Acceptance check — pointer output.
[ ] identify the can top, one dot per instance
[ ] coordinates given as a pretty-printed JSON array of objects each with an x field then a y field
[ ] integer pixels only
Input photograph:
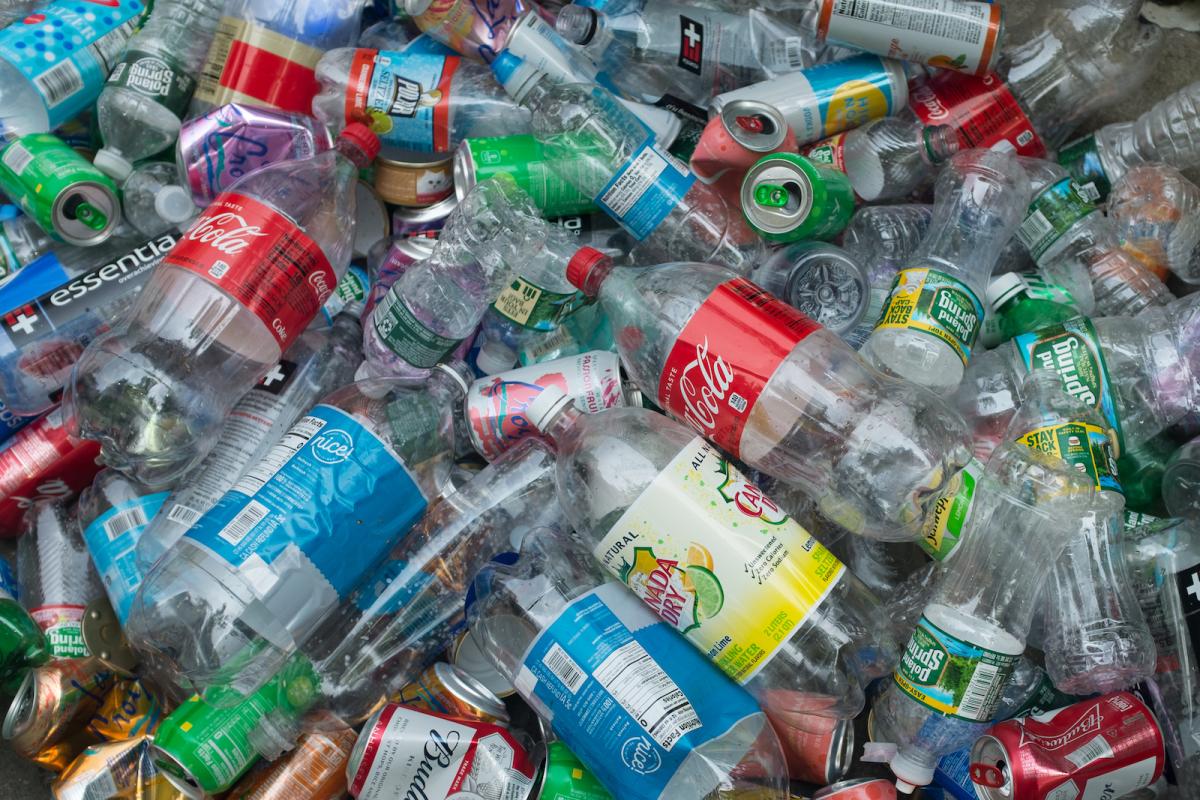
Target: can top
[
  {"x": 85, "y": 214},
  {"x": 469, "y": 657},
  {"x": 990, "y": 769},
  {"x": 841, "y": 751},
  {"x": 755, "y": 125},
  {"x": 777, "y": 193},
  {"x": 398, "y": 157},
  {"x": 177, "y": 775},
  {"x": 472, "y": 692},
  {"x": 24, "y": 707}
]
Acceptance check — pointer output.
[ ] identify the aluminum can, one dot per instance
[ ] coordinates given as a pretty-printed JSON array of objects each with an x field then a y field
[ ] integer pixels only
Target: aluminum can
[
  {"x": 42, "y": 461},
  {"x": 421, "y": 183},
  {"x": 858, "y": 789},
  {"x": 119, "y": 769},
  {"x": 786, "y": 198},
  {"x": 522, "y": 158},
  {"x": 564, "y": 777},
  {"x": 446, "y": 689},
  {"x": 742, "y": 133},
  {"x": 314, "y": 770},
  {"x": 47, "y": 721}
]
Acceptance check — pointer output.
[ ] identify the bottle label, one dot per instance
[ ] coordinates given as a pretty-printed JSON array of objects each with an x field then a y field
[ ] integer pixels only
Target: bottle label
[
  {"x": 160, "y": 79},
  {"x": 953, "y": 677},
  {"x": 598, "y": 672},
  {"x": 944, "y": 527},
  {"x": 1082, "y": 160},
  {"x": 948, "y": 34},
  {"x": 1037, "y": 289},
  {"x": 63, "y": 626},
  {"x": 252, "y": 64},
  {"x": 724, "y": 357},
  {"x": 553, "y": 190},
  {"x": 1072, "y": 349},
  {"x": 1084, "y": 446},
  {"x": 1051, "y": 214},
  {"x": 982, "y": 110},
  {"x": 645, "y": 189},
  {"x": 329, "y": 500},
  {"x": 935, "y": 303},
  {"x": 831, "y": 151},
  {"x": 349, "y": 295},
  {"x": 714, "y": 46},
  {"x": 535, "y": 308},
  {"x": 715, "y": 557},
  {"x": 406, "y": 336},
  {"x": 111, "y": 539},
  {"x": 404, "y": 97},
  {"x": 260, "y": 257},
  {"x": 66, "y": 50}
]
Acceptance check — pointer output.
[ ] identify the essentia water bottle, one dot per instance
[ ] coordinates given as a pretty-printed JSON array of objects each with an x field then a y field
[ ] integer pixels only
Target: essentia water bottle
[
  {"x": 774, "y": 389},
  {"x": 653, "y": 195},
  {"x": 412, "y": 100},
  {"x": 669, "y": 516},
  {"x": 140, "y": 107},
  {"x": 931, "y": 319},
  {"x": 227, "y": 301},
  {"x": 247, "y": 585}
]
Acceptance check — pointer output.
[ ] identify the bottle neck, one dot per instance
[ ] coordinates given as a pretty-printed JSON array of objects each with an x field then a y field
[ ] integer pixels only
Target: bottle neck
[{"x": 563, "y": 425}]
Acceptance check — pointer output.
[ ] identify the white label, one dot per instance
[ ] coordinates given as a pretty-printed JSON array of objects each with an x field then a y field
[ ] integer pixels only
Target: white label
[
  {"x": 637, "y": 178},
  {"x": 254, "y": 513},
  {"x": 953, "y": 34},
  {"x": 119, "y": 524},
  {"x": 17, "y": 158},
  {"x": 288, "y": 446},
  {"x": 401, "y": 768},
  {"x": 564, "y": 667},
  {"x": 1095, "y": 749},
  {"x": 184, "y": 515},
  {"x": 1120, "y": 782},
  {"x": 647, "y": 693},
  {"x": 59, "y": 83}
]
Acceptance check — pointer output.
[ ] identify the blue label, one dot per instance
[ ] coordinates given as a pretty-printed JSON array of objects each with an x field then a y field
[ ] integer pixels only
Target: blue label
[
  {"x": 408, "y": 99},
  {"x": 330, "y": 489},
  {"x": 848, "y": 93},
  {"x": 601, "y": 670},
  {"x": 953, "y": 775},
  {"x": 10, "y": 423},
  {"x": 66, "y": 50},
  {"x": 645, "y": 189},
  {"x": 8, "y": 581},
  {"x": 111, "y": 539}
]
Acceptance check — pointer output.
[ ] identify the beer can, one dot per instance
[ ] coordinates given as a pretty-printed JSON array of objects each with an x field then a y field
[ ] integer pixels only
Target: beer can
[
  {"x": 786, "y": 198},
  {"x": 466, "y": 654},
  {"x": 741, "y": 134},
  {"x": 1106, "y": 747},
  {"x": 314, "y": 770},
  {"x": 858, "y": 789},
  {"x": 47, "y": 721},
  {"x": 405, "y": 182},
  {"x": 406, "y": 752},
  {"x": 521, "y": 157},
  {"x": 446, "y": 689},
  {"x": 64, "y": 192}
]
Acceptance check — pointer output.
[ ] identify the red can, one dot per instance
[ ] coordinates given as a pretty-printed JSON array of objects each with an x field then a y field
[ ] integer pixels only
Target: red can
[
  {"x": 42, "y": 460},
  {"x": 1098, "y": 749}
]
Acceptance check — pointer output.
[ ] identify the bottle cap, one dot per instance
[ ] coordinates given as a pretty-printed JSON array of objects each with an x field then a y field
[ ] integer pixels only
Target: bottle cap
[
  {"x": 112, "y": 164},
  {"x": 546, "y": 406},
  {"x": 576, "y": 23},
  {"x": 363, "y": 138},
  {"x": 581, "y": 266},
  {"x": 515, "y": 75},
  {"x": 910, "y": 773},
  {"x": 495, "y": 357},
  {"x": 1004, "y": 288},
  {"x": 174, "y": 204}
]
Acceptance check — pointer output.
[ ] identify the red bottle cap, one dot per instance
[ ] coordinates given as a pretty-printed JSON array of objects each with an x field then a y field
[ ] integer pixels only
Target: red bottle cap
[
  {"x": 363, "y": 138},
  {"x": 582, "y": 264}
]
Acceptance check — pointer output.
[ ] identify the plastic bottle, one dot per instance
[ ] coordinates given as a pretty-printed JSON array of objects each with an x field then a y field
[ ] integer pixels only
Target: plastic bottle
[
  {"x": 414, "y": 101},
  {"x": 980, "y": 197},
  {"x": 887, "y": 235},
  {"x": 22, "y": 241},
  {"x": 1155, "y": 211},
  {"x": 147, "y": 93},
  {"x": 22, "y": 643},
  {"x": 712, "y": 741},
  {"x": 153, "y": 201},
  {"x": 438, "y": 303},
  {"x": 890, "y": 158},
  {"x": 1026, "y": 303},
  {"x": 321, "y": 360},
  {"x": 822, "y": 280},
  {"x": 478, "y": 32},
  {"x": 206, "y": 329},
  {"x": 13, "y": 10},
  {"x": 666, "y": 210},
  {"x": 1181, "y": 481},
  {"x": 228, "y": 606},
  {"x": 663, "y": 511},
  {"x": 981, "y": 608}
]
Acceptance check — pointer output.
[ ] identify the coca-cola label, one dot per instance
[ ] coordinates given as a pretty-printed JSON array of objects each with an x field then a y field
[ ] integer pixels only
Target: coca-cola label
[
  {"x": 261, "y": 258},
  {"x": 724, "y": 357},
  {"x": 982, "y": 110}
]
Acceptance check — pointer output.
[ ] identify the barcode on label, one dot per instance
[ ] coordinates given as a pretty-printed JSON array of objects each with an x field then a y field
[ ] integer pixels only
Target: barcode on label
[
  {"x": 1094, "y": 750},
  {"x": 218, "y": 53},
  {"x": 58, "y": 83},
  {"x": 287, "y": 447},
  {"x": 794, "y": 52},
  {"x": 118, "y": 524},
  {"x": 1035, "y": 228},
  {"x": 244, "y": 522},
  {"x": 635, "y": 181},
  {"x": 979, "y": 691},
  {"x": 183, "y": 515},
  {"x": 17, "y": 158},
  {"x": 564, "y": 668}
]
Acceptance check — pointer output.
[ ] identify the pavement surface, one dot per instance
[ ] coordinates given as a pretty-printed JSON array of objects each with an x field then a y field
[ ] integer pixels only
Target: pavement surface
[{"x": 1178, "y": 65}]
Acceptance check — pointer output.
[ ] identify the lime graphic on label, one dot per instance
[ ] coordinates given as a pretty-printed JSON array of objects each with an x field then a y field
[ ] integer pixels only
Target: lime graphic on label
[{"x": 710, "y": 597}]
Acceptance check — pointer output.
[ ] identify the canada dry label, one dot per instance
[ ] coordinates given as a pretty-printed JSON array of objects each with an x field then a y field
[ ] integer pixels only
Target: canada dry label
[
  {"x": 407, "y": 336},
  {"x": 982, "y": 110},
  {"x": 935, "y": 303},
  {"x": 159, "y": 78},
  {"x": 945, "y": 525},
  {"x": 953, "y": 677},
  {"x": 1052, "y": 213},
  {"x": 1084, "y": 446},
  {"x": 719, "y": 560},
  {"x": 724, "y": 357},
  {"x": 262, "y": 259},
  {"x": 531, "y": 306}
]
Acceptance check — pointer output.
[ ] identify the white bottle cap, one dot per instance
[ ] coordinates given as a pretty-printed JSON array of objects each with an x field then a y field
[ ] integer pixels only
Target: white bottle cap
[
  {"x": 910, "y": 773},
  {"x": 495, "y": 357},
  {"x": 174, "y": 204},
  {"x": 112, "y": 164},
  {"x": 546, "y": 406},
  {"x": 1002, "y": 288}
]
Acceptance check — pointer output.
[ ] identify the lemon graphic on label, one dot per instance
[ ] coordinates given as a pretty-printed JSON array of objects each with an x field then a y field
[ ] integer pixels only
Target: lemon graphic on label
[
  {"x": 710, "y": 597},
  {"x": 946, "y": 62},
  {"x": 380, "y": 122},
  {"x": 852, "y": 104},
  {"x": 697, "y": 555}
]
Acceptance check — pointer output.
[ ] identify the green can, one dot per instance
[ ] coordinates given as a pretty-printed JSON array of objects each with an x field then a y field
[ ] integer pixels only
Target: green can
[
  {"x": 564, "y": 777},
  {"x": 206, "y": 744},
  {"x": 788, "y": 198},
  {"x": 22, "y": 643},
  {"x": 61, "y": 190},
  {"x": 522, "y": 158}
]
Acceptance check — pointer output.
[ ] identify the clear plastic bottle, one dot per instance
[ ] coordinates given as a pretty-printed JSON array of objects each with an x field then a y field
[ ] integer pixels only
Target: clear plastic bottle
[
  {"x": 714, "y": 742},
  {"x": 980, "y": 197},
  {"x": 891, "y": 157},
  {"x": 402, "y": 92},
  {"x": 321, "y": 360},
  {"x": 438, "y": 303},
  {"x": 13, "y": 10},
  {"x": 153, "y": 201},
  {"x": 227, "y": 607},
  {"x": 664, "y": 512},
  {"x": 22, "y": 241},
  {"x": 981, "y": 609},
  {"x": 1155, "y": 211},
  {"x": 204, "y": 330},
  {"x": 1181, "y": 481},
  {"x": 786, "y": 397},
  {"x": 148, "y": 91},
  {"x": 822, "y": 280},
  {"x": 671, "y": 214}
]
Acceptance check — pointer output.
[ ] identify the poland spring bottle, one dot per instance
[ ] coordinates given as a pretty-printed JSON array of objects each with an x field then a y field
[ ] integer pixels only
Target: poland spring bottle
[{"x": 243, "y": 282}]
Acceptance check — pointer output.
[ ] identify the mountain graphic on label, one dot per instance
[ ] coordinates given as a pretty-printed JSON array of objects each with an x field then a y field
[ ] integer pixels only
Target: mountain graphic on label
[{"x": 682, "y": 594}]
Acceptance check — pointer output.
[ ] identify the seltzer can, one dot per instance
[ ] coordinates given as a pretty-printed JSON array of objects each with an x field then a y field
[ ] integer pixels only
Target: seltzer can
[{"x": 786, "y": 198}]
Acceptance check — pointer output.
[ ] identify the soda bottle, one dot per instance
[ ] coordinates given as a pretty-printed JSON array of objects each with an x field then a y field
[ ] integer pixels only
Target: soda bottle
[
  {"x": 891, "y": 157},
  {"x": 251, "y": 580},
  {"x": 206, "y": 329},
  {"x": 980, "y": 196},
  {"x": 1025, "y": 303},
  {"x": 1155, "y": 211},
  {"x": 153, "y": 201},
  {"x": 668, "y": 212},
  {"x": 148, "y": 91},
  {"x": 554, "y": 617}
]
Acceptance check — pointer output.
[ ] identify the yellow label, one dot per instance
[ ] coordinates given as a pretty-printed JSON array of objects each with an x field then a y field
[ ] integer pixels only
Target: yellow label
[
  {"x": 935, "y": 303},
  {"x": 518, "y": 300},
  {"x": 854, "y": 103},
  {"x": 719, "y": 560}
]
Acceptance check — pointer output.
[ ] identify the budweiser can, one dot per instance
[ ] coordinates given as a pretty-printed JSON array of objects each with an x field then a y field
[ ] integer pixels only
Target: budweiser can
[
  {"x": 42, "y": 461},
  {"x": 406, "y": 752},
  {"x": 446, "y": 689},
  {"x": 1098, "y": 749}
]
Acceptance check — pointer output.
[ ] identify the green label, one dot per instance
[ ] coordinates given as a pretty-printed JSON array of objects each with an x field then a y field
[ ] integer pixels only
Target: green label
[
  {"x": 935, "y": 303},
  {"x": 533, "y": 307},
  {"x": 552, "y": 190},
  {"x": 945, "y": 524},
  {"x": 1142, "y": 525},
  {"x": 36, "y": 169},
  {"x": 1082, "y": 160},
  {"x": 1043, "y": 698},
  {"x": 160, "y": 79},
  {"x": 407, "y": 336},
  {"x": 1038, "y": 289},
  {"x": 1051, "y": 214},
  {"x": 567, "y": 778},
  {"x": 63, "y": 626},
  {"x": 1084, "y": 446},
  {"x": 953, "y": 677}
]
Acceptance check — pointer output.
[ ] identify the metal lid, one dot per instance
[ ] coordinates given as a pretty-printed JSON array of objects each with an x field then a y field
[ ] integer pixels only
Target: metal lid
[
  {"x": 103, "y": 637},
  {"x": 755, "y": 125},
  {"x": 176, "y": 773},
  {"x": 469, "y": 657},
  {"x": 399, "y": 157},
  {"x": 24, "y": 707},
  {"x": 777, "y": 194},
  {"x": 827, "y": 284},
  {"x": 989, "y": 761},
  {"x": 463, "y": 686},
  {"x": 841, "y": 751},
  {"x": 68, "y": 219},
  {"x": 416, "y": 215}
]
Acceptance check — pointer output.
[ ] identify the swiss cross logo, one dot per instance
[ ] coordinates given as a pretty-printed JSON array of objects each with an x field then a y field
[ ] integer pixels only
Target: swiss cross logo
[
  {"x": 277, "y": 378},
  {"x": 21, "y": 321},
  {"x": 691, "y": 44}
]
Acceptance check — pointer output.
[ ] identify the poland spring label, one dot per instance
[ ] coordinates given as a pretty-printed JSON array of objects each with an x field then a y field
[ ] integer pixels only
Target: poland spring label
[
  {"x": 937, "y": 304},
  {"x": 944, "y": 526},
  {"x": 1052, "y": 213},
  {"x": 1084, "y": 446},
  {"x": 163, "y": 80}
]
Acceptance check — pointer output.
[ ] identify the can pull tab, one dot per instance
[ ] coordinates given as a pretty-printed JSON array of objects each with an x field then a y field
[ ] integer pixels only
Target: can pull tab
[
  {"x": 771, "y": 195},
  {"x": 752, "y": 123},
  {"x": 91, "y": 216},
  {"x": 987, "y": 775}
]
